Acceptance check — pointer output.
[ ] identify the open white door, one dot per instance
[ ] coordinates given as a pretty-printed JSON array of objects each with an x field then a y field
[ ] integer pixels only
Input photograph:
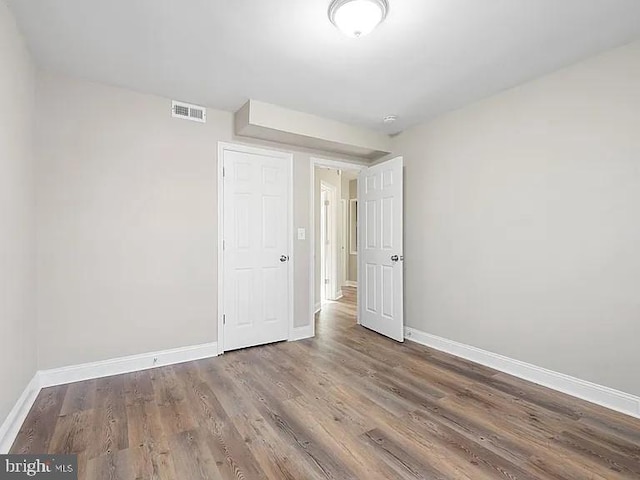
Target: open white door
[
  {"x": 380, "y": 248},
  {"x": 256, "y": 248}
]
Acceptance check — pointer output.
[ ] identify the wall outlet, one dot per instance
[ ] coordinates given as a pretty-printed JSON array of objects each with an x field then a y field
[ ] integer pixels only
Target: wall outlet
[{"x": 302, "y": 234}]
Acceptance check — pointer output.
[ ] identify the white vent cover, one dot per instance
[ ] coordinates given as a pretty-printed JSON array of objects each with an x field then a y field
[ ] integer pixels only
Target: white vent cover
[{"x": 188, "y": 111}]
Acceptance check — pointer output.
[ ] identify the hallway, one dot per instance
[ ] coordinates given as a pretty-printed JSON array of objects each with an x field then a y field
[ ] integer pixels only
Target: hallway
[{"x": 336, "y": 318}]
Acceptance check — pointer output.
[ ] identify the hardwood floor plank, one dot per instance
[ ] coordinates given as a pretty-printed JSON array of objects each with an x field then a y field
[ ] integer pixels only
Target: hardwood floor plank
[
  {"x": 73, "y": 432},
  {"x": 138, "y": 387},
  {"x": 170, "y": 398},
  {"x": 318, "y": 455},
  {"x": 307, "y": 374},
  {"x": 80, "y": 396},
  {"x": 111, "y": 466},
  {"x": 276, "y": 459},
  {"x": 233, "y": 458},
  {"x": 39, "y": 426},
  {"x": 192, "y": 457},
  {"x": 616, "y": 461},
  {"x": 147, "y": 463},
  {"x": 110, "y": 427},
  {"x": 472, "y": 450},
  {"x": 394, "y": 455},
  {"x": 148, "y": 442},
  {"x": 517, "y": 419}
]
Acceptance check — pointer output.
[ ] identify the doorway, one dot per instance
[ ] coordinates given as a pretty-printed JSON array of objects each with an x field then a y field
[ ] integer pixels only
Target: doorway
[
  {"x": 373, "y": 269},
  {"x": 334, "y": 233}
]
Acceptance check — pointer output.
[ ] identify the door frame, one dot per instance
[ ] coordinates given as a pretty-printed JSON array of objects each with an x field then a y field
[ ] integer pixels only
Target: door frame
[
  {"x": 338, "y": 165},
  {"x": 330, "y": 257},
  {"x": 344, "y": 240},
  {"x": 237, "y": 147}
]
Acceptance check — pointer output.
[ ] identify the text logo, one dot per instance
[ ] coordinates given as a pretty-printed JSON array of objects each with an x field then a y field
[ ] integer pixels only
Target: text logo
[{"x": 50, "y": 467}]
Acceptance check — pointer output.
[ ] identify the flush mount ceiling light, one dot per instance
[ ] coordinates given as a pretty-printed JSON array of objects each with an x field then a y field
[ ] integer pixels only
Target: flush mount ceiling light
[{"x": 356, "y": 18}]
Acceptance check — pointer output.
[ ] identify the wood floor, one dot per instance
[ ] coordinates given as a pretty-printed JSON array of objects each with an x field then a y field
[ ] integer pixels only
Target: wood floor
[{"x": 348, "y": 404}]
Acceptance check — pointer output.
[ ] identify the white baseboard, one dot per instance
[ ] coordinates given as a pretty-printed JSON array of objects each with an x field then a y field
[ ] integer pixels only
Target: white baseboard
[
  {"x": 318, "y": 307},
  {"x": 11, "y": 426},
  {"x": 591, "y": 392},
  {"x": 132, "y": 363},
  {"x": 351, "y": 283},
  {"x": 86, "y": 371},
  {"x": 339, "y": 295},
  {"x": 300, "y": 333}
]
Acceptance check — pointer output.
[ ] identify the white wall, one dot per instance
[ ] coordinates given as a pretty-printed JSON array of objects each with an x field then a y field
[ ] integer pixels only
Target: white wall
[
  {"x": 523, "y": 222},
  {"x": 17, "y": 206},
  {"x": 128, "y": 229}
]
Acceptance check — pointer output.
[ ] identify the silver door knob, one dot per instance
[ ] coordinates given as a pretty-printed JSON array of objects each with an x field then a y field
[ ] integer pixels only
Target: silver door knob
[
  {"x": 284, "y": 258},
  {"x": 395, "y": 258}
]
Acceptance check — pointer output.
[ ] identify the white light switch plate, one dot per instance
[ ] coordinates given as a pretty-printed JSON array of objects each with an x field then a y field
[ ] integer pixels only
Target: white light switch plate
[{"x": 302, "y": 234}]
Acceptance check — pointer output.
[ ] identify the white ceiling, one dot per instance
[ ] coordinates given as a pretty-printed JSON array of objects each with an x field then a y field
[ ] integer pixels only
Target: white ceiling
[{"x": 428, "y": 57}]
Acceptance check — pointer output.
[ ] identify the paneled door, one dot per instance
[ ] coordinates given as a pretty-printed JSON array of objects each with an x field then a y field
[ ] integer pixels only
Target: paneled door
[
  {"x": 380, "y": 239},
  {"x": 256, "y": 247}
]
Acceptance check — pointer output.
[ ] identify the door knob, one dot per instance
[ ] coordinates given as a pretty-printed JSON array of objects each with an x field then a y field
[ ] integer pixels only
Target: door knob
[
  {"x": 395, "y": 258},
  {"x": 284, "y": 258}
]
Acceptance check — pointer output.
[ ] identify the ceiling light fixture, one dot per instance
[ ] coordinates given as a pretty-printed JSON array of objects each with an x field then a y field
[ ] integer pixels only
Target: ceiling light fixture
[{"x": 356, "y": 18}]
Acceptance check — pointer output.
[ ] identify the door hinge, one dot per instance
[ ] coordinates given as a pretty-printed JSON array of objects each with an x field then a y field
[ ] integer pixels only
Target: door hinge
[
  {"x": 224, "y": 244},
  {"x": 326, "y": 202},
  {"x": 326, "y": 281},
  {"x": 224, "y": 319},
  {"x": 224, "y": 172}
]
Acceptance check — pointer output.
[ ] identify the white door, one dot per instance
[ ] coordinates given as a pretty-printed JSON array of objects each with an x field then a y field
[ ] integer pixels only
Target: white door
[
  {"x": 380, "y": 248},
  {"x": 255, "y": 248}
]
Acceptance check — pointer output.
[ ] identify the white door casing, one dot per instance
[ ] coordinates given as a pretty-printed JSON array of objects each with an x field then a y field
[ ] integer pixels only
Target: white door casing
[
  {"x": 256, "y": 252},
  {"x": 344, "y": 221},
  {"x": 329, "y": 232},
  {"x": 380, "y": 249},
  {"x": 325, "y": 250}
]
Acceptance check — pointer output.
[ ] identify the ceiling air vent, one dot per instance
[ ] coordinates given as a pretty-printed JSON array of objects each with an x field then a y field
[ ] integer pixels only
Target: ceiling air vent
[{"x": 188, "y": 111}]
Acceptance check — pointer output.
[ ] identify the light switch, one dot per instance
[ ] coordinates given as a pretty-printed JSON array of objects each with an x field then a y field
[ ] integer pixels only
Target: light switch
[{"x": 302, "y": 234}]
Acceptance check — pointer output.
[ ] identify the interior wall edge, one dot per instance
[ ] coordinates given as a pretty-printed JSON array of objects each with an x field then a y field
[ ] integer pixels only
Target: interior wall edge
[{"x": 18, "y": 351}]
